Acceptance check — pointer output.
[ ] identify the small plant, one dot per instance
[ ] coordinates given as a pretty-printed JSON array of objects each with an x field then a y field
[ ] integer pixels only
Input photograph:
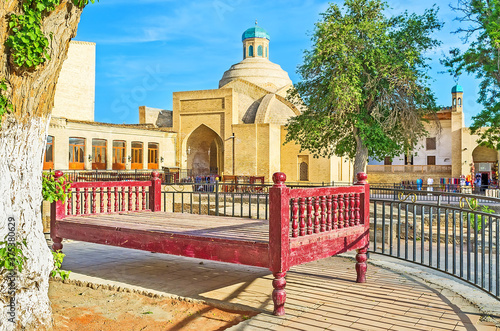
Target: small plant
[
  {"x": 476, "y": 221},
  {"x": 11, "y": 255},
  {"x": 5, "y": 105},
  {"x": 55, "y": 189},
  {"x": 58, "y": 260}
]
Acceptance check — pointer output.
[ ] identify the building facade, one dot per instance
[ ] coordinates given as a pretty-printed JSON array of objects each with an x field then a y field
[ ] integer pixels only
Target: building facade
[
  {"x": 237, "y": 129},
  {"x": 77, "y": 142},
  {"x": 449, "y": 152}
]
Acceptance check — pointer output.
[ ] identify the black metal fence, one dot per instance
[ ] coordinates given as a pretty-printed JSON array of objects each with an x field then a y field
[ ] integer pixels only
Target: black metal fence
[
  {"x": 454, "y": 233},
  {"x": 219, "y": 199}
]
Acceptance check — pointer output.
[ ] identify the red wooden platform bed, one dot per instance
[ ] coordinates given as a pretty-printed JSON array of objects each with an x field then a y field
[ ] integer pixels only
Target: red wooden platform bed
[{"x": 304, "y": 225}]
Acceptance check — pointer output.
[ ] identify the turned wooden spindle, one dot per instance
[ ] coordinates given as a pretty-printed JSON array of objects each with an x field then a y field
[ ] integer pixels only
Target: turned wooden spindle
[
  {"x": 347, "y": 210},
  {"x": 357, "y": 214},
  {"x": 279, "y": 293},
  {"x": 130, "y": 197},
  {"x": 108, "y": 191},
  {"x": 316, "y": 215},
  {"x": 309, "y": 216},
  {"x": 124, "y": 203},
  {"x": 295, "y": 217},
  {"x": 137, "y": 198},
  {"x": 329, "y": 213},
  {"x": 101, "y": 198},
  {"x": 323, "y": 214},
  {"x": 341, "y": 211},
  {"x": 69, "y": 206},
  {"x": 353, "y": 212},
  {"x": 94, "y": 195},
  {"x": 143, "y": 198},
  {"x": 85, "y": 201},
  {"x": 302, "y": 217},
  {"x": 78, "y": 206},
  {"x": 116, "y": 199}
]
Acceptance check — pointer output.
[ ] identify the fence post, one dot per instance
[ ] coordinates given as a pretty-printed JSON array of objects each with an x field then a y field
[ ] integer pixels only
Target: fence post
[
  {"x": 217, "y": 197},
  {"x": 155, "y": 192},
  {"x": 279, "y": 241}
]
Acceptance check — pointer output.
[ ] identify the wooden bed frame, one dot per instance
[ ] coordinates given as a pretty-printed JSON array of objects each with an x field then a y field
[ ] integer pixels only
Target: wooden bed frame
[{"x": 304, "y": 225}]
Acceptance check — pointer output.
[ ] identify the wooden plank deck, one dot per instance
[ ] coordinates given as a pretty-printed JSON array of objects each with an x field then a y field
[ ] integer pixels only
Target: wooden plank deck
[
  {"x": 232, "y": 228},
  {"x": 226, "y": 239}
]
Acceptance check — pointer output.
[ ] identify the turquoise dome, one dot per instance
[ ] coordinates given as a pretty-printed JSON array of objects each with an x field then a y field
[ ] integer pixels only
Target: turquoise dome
[
  {"x": 255, "y": 32},
  {"x": 457, "y": 89}
]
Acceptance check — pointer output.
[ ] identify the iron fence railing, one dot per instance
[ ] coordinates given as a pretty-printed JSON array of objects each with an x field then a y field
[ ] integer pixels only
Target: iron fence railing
[
  {"x": 251, "y": 201},
  {"x": 455, "y": 233}
]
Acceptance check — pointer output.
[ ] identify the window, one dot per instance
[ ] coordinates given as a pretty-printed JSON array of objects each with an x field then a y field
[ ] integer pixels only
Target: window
[
  {"x": 77, "y": 153},
  {"x": 459, "y": 101},
  {"x": 454, "y": 101},
  {"x": 304, "y": 171},
  {"x": 118, "y": 155},
  {"x": 250, "y": 50},
  {"x": 431, "y": 160},
  {"x": 266, "y": 52},
  {"x": 48, "y": 160},
  {"x": 303, "y": 163},
  {"x": 408, "y": 161},
  {"x": 259, "y": 50},
  {"x": 136, "y": 155},
  {"x": 99, "y": 150},
  {"x": 152, "y": 156},
  {"x": 387, "y": 160},
  {"x": 430, "y": 144}
]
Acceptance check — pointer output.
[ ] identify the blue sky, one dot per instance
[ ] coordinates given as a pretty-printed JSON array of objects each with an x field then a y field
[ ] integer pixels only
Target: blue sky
[{"x": 147, "y": 49}]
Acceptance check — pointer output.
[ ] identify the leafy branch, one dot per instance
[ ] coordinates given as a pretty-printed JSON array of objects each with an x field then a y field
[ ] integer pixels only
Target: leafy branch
[
  {"x": 28, "y": 43},
  {"x": 11, "y": 255},
  {"x": 55, "y": 189},
  {"x": 5, "y": 105},
  {"x": 58, "y": 260}
]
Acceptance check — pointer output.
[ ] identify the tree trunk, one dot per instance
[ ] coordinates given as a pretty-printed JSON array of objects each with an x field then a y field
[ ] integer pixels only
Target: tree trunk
[
  {"x": 22, "y": 143},
  {"x": 361, "y": 157},
  {"x": 21, "y": 153}
]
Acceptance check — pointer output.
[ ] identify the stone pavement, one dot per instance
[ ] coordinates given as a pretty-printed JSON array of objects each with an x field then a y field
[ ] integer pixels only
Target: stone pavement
[{"x": 321, "y": 295}]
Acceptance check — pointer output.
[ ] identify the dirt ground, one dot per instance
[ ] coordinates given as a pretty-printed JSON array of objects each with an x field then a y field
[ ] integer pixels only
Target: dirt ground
[{"x": 84, "y": 308}]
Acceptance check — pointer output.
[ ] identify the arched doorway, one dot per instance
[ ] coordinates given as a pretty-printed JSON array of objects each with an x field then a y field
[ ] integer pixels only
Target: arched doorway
[
  {"x": 485, "y": 166},
  {"x": 203, "y": 152}
]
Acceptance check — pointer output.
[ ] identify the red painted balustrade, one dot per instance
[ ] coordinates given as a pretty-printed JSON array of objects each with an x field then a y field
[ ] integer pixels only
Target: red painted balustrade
[
  {"x": 307, "y": 224},
  {"x": 93, "y": 198}
]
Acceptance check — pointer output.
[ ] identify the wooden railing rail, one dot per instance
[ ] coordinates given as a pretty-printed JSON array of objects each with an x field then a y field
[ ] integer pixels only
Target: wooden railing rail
[{"x": 92, "y": 198}]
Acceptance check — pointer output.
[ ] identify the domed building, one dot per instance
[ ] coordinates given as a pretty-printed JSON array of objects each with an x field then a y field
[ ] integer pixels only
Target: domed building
[{"x": 238, "y": 129}]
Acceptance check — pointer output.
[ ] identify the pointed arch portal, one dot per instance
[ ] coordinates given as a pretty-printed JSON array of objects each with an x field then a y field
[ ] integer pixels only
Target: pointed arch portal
[{"x": 204, "y": 152}]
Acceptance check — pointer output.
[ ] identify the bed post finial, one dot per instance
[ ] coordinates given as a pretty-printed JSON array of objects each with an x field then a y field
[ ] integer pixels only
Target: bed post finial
[
  {"x": 155, "y": 192},
  {"x": 279, "y": 179},
  {"x": 362, "y": 178}
]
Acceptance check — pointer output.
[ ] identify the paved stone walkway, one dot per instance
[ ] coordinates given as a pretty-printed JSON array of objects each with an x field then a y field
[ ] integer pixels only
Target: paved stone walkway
[{"x": 321, "y": 295}]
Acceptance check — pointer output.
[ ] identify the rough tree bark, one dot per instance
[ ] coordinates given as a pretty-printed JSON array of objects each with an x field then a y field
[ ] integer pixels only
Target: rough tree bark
[
  {"x": 22, "y": 141},
  {"x": 361, "y": 157}
]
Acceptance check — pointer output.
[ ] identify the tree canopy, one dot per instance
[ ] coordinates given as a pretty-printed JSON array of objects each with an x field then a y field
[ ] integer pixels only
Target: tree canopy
[
  {"x": 481, "y": 58},
  {"x": 364, "y": 83}
]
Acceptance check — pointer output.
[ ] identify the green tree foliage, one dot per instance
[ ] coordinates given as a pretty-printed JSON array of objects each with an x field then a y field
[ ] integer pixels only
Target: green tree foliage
[
  {"x": 364, "y": 83},
  {"x": 482, "y": 58}
]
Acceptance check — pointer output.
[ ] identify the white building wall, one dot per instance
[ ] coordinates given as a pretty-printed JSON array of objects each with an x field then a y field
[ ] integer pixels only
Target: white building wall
[{"x": 75, "y": 92}]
